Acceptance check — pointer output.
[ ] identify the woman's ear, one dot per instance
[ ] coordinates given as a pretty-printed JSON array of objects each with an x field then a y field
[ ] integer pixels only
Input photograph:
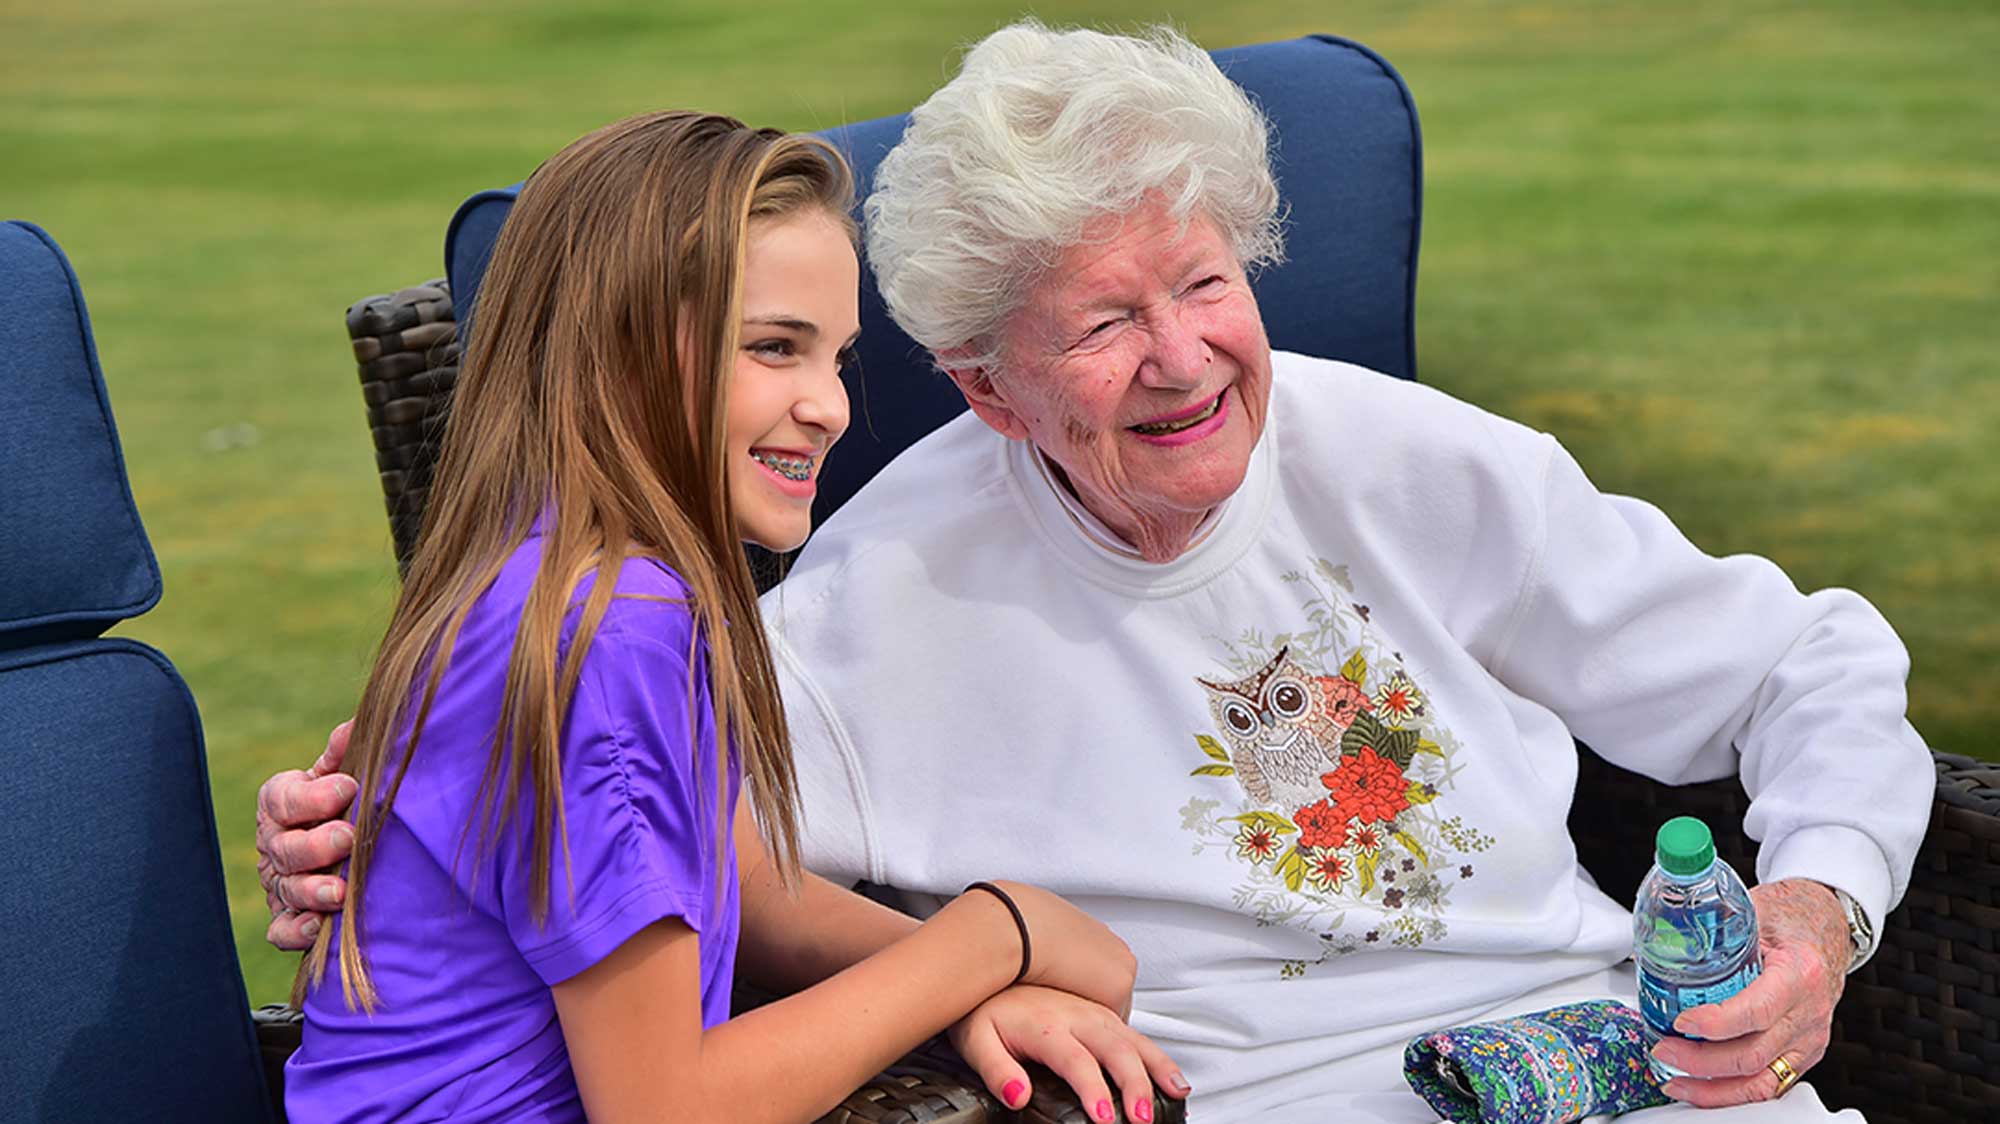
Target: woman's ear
[{"x": 987, "y": 399}]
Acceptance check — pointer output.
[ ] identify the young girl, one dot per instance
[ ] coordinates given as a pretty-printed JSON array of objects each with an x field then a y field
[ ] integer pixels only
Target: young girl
[{"x": 573, "y": 711}]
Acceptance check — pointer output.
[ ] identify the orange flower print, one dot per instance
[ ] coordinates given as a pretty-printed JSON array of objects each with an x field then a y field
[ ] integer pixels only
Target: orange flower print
[
  {"x": 1319, "y": 825},
  {"x": 1257, "y": 842},
  {"x": 1342, "y": 701},
  {"x": 1368, "y": 788}
]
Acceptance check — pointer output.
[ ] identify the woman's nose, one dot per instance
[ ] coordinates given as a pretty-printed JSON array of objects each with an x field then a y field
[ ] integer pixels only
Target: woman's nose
[{"x": 1179, "y": 357}]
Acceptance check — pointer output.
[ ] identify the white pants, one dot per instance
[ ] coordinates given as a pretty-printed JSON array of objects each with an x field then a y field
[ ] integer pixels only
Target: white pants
[{"x": 1379, "y": 1093}]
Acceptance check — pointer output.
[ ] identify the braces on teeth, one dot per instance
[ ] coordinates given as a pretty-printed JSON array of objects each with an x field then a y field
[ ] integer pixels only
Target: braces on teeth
[{"x": 791, "y": 468}]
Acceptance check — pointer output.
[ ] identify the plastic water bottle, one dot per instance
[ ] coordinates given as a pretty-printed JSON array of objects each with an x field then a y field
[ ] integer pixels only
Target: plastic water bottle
[{"x": 1694, "y": 931}]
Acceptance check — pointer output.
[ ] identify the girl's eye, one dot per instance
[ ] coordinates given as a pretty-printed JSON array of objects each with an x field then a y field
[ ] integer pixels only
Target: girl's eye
[
  {"x": 846, "y": 357},
  {"x": 778, "y": 348}
]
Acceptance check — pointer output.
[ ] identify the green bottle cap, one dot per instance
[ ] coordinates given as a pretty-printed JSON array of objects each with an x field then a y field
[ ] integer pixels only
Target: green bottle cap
[{"x": 1684, "y": 846}]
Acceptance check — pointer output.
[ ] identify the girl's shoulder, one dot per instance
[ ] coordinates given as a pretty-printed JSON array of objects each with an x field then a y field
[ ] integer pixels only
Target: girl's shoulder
[{"x": 649, "y": 597}]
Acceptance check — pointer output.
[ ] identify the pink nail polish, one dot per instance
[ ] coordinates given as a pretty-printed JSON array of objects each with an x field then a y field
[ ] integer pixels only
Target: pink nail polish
[
  {"x": 1012, "y": 1093},
  {"x": 1104, "y": 1110},
  {"x": 1144, "y": 1110}
]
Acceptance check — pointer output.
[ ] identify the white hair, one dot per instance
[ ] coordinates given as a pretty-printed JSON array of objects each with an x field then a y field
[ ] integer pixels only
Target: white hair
[{"x": 1041, "y": 132}]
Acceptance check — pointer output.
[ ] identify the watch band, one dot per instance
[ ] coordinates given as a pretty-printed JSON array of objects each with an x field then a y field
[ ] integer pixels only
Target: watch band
[{"x": 1860, "y": 931}]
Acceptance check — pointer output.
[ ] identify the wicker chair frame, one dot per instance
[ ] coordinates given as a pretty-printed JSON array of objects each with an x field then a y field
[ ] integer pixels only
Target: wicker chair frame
[{"x": 1916, "y": 1038}]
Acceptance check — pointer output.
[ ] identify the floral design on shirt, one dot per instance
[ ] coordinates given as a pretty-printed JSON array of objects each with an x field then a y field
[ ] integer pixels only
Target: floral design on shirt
[{"x": 1338, "y": 764}]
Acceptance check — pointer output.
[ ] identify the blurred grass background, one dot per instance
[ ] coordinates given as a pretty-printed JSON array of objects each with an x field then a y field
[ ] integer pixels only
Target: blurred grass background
[{"x": 1742, "y": 257}]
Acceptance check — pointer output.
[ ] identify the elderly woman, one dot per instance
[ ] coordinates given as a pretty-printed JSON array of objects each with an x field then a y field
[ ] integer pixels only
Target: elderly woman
[{"x": 1275, "y": 664}]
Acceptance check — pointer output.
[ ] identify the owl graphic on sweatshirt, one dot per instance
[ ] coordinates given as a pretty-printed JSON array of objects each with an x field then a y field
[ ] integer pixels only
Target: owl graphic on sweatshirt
[{"x": 1282, "y": 725}]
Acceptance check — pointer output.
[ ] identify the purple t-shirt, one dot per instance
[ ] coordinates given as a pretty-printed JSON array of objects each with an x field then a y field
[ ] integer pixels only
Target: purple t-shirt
[{"x": 466, "y": 1028}]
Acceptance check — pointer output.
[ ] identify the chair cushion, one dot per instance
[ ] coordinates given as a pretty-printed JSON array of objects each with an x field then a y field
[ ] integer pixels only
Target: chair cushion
[
  {"x": 73, "y": 557},
  {"x": 118, "y": 970},
  {"x": 1348, "y": 159}
]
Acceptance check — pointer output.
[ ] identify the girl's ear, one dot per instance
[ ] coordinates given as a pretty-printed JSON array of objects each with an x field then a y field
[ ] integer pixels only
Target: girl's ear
[{"x": 986, "y": 397}]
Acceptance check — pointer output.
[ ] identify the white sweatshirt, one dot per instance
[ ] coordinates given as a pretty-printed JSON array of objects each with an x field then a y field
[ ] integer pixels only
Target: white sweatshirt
[{"x": 1316, "y": 771}]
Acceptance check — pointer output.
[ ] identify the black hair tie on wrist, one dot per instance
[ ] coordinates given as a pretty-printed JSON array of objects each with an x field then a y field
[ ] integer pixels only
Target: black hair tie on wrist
[{"x": 1020, "y": 922}]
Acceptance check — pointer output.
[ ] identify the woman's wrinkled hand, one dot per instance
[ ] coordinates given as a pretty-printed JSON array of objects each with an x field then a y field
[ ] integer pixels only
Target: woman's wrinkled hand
[
  {"x": 300, "y": 838},
  {"x": 1786, "y": 1012},
  {"x": 1080, "y": 1040}
]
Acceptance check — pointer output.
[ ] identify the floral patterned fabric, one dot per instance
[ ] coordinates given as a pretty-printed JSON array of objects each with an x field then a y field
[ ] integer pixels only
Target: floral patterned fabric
[
  {"x": 1562, "y": 1064},
  {"x": 1331, "y": 776}
]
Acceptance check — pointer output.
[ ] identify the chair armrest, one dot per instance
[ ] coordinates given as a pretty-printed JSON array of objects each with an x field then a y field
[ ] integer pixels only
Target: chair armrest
[
  {"x": 929, "y": 1086},
  {"x": 1917, "y": 1036},
  {"x": 932, "y": 1085},
  {"x": 935, "y": 1073},
  {"x": 279, "y": 1028}
]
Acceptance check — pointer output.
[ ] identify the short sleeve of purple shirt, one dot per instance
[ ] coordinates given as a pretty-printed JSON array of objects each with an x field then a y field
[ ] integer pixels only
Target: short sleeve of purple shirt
[{"x": 632, "y": 800}]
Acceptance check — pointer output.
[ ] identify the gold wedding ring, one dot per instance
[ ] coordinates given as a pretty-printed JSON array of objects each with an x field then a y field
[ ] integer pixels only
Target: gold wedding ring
[{"x": 1787, "y": 1076}]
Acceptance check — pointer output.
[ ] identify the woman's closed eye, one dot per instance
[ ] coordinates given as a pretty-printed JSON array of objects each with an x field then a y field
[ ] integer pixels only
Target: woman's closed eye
[{"x": 1098, "y": 330}]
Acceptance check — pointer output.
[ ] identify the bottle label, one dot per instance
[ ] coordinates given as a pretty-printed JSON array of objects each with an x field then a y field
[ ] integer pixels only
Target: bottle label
[{"x": 1660, "y": 1003}]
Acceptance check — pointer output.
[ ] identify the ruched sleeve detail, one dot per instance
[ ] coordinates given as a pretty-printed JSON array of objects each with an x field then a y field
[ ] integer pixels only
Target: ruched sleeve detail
[{"x": 640, "y": 797}]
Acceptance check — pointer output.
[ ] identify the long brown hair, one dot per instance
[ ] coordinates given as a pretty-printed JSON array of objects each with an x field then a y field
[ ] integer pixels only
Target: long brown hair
[{"x": 594, "y": 394}]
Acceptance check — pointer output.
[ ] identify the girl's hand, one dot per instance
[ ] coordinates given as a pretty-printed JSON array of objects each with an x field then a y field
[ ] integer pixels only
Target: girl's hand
[
  {"x": 1078, "y": 1039},
  {"x": 1073, "y": 951}
]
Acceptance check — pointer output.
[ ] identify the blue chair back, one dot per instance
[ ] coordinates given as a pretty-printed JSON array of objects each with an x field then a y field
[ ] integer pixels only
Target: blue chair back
[
  {"x": 120, "y": 995},
  {"x": 1349, "y": 164}
]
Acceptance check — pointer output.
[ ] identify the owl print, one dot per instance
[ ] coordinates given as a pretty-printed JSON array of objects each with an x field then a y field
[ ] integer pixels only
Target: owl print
[{"x": 1283, "y": 725}]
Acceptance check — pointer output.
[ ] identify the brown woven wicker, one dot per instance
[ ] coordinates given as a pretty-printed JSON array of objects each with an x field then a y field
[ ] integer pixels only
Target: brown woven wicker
[
  {"x": 1050, "y": 1102},
  {"x": 911, "y": 1093},
  {"x": 406, "y": 344},
  {"x": 932, "y": 1083},
  {"x": 1918, "y": 1033},
  {"x": 1916, "y": 1039},
  {"x": 914, "y": 1095}
]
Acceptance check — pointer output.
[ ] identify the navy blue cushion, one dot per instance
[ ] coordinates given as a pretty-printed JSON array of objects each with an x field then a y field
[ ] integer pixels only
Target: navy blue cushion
[
  {"x": 1349, "y": 165},
  {"x": 73, "y": 558},
  {"x": 119, "y": 983},
  {"x": 118, "y": 971}
]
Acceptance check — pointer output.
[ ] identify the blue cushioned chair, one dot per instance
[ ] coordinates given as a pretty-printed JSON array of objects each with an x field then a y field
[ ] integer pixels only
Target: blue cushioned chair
[{"x": 120, "y": 997}]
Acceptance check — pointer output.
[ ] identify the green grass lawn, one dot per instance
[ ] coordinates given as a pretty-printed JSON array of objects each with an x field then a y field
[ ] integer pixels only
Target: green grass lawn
[{"x": 1743, "y": 258}]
